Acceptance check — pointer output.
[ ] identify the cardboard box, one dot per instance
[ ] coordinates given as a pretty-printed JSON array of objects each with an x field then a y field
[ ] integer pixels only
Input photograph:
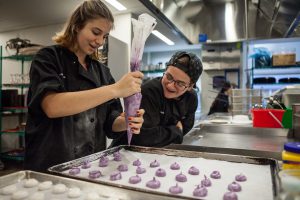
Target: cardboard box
[{"x": 283, "y": 59}]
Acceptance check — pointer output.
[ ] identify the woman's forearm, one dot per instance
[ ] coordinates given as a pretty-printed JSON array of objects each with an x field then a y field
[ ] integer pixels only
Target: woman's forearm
[{"x": 70, "y": 103}]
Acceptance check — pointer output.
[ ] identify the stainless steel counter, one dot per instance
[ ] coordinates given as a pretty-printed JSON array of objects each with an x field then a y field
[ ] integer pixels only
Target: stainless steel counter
[{"x": 239, "y": 140}]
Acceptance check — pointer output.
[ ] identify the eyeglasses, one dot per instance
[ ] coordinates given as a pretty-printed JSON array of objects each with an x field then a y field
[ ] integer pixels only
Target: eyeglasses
[{"x": 178, "y": 84}]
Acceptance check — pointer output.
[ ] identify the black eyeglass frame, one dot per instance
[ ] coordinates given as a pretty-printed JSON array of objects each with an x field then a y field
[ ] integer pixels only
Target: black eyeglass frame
[{"x": 181, "y": 85}]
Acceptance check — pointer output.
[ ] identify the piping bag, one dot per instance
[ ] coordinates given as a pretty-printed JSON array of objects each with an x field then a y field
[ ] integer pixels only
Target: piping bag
[{"x": 141, "y": 31}]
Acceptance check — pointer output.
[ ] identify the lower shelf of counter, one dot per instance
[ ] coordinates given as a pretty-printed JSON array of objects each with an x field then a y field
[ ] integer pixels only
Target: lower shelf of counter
[
  {"x": 16, "y": 154},
  {"x": 13, "y": 131}
]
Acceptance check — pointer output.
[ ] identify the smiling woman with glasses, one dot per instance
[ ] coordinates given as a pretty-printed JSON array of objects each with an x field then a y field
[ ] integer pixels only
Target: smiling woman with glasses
[{"x": 170, "y": 103}]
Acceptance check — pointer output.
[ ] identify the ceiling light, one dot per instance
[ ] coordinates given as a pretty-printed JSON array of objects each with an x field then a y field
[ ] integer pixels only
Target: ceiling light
[
  {"x": 162, "y": 37},
  {"x": 229, "y": 22},
  {"x": 116, "y": 4}
]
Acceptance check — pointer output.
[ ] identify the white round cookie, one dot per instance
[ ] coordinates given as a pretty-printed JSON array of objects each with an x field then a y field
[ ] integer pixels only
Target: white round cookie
[
  {"x": 37, "y": 196},
  {"x": 28, "y": 183},
  {"x": 21, "y": 194},
  {"x": 92, "y": 196},
  {"x": 45, "y": 185},
  {"x": 8, "y": 189},
  {"x": 74, "y": 192},
  {"x": 59, "y": 188}
]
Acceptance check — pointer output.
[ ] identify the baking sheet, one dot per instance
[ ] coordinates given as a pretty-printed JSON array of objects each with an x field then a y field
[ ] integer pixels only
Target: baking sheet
[
  {"x": 261, "y": 172},
  {"x": 105, "y": 192}
]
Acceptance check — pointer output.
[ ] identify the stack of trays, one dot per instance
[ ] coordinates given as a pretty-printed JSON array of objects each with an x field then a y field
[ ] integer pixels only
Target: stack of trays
[
  {"x": 244, "y": 99},
  {"x": 291, "y": 155}
]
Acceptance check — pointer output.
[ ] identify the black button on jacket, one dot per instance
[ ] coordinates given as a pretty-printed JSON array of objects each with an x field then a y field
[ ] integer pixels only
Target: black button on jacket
[{"x": 53, "y": 141}]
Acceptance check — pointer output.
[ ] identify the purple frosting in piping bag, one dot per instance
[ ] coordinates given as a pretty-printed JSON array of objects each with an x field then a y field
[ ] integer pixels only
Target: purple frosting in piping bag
[{"x": 132, "y": 104}]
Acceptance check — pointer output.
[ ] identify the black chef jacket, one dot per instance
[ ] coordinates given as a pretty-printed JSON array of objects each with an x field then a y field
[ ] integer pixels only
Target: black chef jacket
[
  {"x": 161, "y": 116},
  {"x": 220, "y": 104},
  {"x": 53, "y": 141}
]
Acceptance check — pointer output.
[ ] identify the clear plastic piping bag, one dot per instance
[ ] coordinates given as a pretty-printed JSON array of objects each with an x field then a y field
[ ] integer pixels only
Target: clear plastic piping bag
[{"x": 141, "y": 31}]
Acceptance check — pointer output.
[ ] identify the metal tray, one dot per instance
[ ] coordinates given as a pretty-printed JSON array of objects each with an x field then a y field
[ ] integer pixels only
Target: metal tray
[
  {"x": 59, "y": 169},
  {"x": 105, "y": 192}
]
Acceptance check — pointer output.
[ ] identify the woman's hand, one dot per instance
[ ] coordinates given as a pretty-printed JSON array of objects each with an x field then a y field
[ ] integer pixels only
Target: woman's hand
[
  {"x": 135, "y": 123},
  {"x": 179, "y": 125},
  {"x": 129, "y": 84}
]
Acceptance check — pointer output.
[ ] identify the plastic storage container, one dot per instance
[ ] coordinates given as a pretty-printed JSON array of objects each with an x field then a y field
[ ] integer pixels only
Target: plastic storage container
[
  {"x": 247, "y": 99},
  {"x": 246, "y": 92},
  {"x": 291, "y": 156},
  {"x": 240, "y": 106},
  {"x": 268, "y": 118},
  {"x": 244, "y": 99}
]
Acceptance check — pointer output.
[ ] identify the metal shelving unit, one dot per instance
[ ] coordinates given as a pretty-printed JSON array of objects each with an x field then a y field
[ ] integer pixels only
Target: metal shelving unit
[
  {"x": 20, "y": 111},
  {"x": 278, "y": 72},
  {"x": 270, "y": 78}
]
